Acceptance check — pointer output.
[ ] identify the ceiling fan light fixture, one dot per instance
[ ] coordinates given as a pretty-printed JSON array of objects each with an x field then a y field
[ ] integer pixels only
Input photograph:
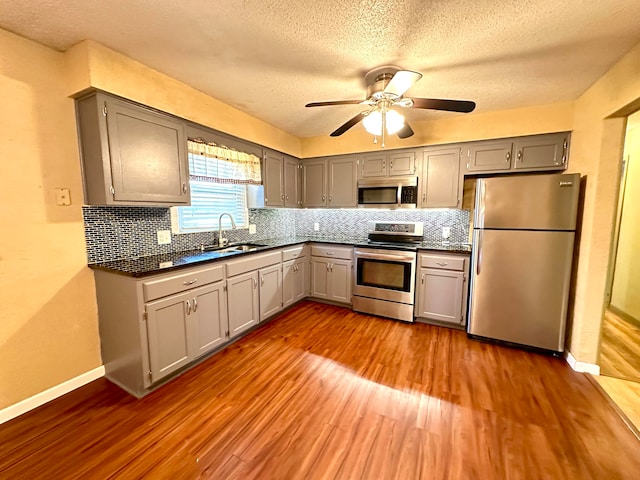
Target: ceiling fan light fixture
[{"x": 373, "y": 122}]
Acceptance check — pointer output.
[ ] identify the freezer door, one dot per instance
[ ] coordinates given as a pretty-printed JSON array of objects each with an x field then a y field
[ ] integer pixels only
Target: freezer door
[
  {"x": 534, "y": 202},
  {"x": 520, "y": 286}
]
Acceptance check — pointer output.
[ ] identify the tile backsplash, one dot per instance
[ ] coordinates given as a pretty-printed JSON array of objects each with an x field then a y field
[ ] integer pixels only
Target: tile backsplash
[{"x": 127, "y": 232}]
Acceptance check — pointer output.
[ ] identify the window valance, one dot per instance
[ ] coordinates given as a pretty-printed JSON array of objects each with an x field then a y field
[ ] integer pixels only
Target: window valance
[{"x": 209, "y": 162}]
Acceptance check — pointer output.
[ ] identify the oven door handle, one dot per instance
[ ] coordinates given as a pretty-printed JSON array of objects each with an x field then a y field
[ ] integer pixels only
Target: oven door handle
[{"x": 386, "y": 256}]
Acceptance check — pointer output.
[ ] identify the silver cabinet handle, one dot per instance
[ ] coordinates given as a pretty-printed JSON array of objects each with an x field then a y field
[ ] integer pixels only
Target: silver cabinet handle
[
  {"x": 519, "y": 156},
  {"x": 255, "y": 284},
  {"x": 195, "y": 305},
  {"x": 442, "y": 264},
  {"x": 332, "y": 266},
  {"x": 507, "y": 160},
  {"x": 188, "y": 307},
  {"x": 330, "y": 198},
  {"x": 328, "y": 267},
  {"x": 184, "y": 187},
  {"x": 323, "y": 198},
  {"x": 190, "y": 282},
  {"x": 422, "y": 279},
  {"x": 262, "y": 281},
  {"x": 282, "y": 196},
  {"x": 286, "y": 197},
  {"x": 391, "y": 164},
  {"x": 424, "y": 197},
  {"x": 384, "y": 164},
  {"x": 328, "y": 254}
]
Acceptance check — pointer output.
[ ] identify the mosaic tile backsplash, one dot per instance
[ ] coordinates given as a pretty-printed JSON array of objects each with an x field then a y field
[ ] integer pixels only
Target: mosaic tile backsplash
[{"x": 114, "y": 233}]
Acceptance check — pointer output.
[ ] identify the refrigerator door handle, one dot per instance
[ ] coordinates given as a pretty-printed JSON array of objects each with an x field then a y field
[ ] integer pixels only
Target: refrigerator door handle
[{"x": 479, "y": 261}]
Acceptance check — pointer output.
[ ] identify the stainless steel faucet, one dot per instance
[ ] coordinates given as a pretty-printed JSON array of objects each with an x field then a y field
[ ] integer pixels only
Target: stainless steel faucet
[{"x": 221, "y": 240}]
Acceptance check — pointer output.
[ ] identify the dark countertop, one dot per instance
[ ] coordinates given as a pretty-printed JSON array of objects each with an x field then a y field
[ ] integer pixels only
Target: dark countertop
[{"x": 155, "y": 264}]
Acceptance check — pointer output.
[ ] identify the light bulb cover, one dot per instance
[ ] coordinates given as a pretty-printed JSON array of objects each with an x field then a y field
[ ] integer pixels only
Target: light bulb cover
[{"x": 373, "y": 122}]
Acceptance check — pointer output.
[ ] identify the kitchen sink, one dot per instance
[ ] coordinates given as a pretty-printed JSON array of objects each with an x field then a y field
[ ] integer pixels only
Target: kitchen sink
[{"x": 243, "y": 247}]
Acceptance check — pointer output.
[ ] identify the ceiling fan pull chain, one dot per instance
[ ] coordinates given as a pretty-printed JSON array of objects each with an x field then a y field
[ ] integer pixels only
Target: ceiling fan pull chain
[{"x": 384, "y": 125}]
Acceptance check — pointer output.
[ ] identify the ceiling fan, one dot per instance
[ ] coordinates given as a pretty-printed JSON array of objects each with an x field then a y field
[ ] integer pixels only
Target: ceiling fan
[{"x": 385, "y": 89}]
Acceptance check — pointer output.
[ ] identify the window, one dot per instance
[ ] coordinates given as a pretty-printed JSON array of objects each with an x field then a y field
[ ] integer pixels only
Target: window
[{"x": 218, "y": 178}]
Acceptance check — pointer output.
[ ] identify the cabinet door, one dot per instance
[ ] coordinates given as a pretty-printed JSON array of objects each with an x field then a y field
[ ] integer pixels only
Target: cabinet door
[
  {"x": 243, "y": 302},
  {"x": 340, "y": 281},
  {"x": 209, "y": 304},
  {"x": 489, "y": 156},
  {"x": 148, "y": 155},
  {"x": 402, "y": 163},
  {"x": 440, "y": 295},
  {"x": 374, "y": 165},
  {"x": 270, "y": 291},
  {"x": 320, "y": 277},
  {"x": 543, "y": 152},
  {"x": 314, "y": 186},
  {"x": 441, "y": 178},
  {"x": 168, "y": 335},
  {"x": 273, "y": 179},
  {"x": 291, "y": 182},
  {"x": 342, "y": 182},
  {"x": 288, "y": 283},
  {"x": 301, "y": 275}
]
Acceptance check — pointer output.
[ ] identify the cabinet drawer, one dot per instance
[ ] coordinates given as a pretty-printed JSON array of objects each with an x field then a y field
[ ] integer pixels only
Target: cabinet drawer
[
  {"x": 168, "y": 285},
  {"x": 253, "y": 262},
  {"x": 443, "y": 262},
  {"x": 322, "y": 250},
  {"x": 292, "y": 253}
]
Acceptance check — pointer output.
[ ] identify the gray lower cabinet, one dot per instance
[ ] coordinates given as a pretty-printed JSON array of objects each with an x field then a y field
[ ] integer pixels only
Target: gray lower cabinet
[
  {"x": 183, "y": 327},
  {"x": 270, "y": 291},
  {"x": 331, "y": 273},
  {"x": 243, "y": 299},
  {"x": 442, "y": 288},
  {"x": 295, "y": 281},
  {"x": 440, "y": 183},
  {"x": 131, "y": 155}
]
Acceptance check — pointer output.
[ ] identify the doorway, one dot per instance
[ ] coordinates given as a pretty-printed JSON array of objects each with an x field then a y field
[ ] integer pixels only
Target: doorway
[{"x": 620, "y": 338}]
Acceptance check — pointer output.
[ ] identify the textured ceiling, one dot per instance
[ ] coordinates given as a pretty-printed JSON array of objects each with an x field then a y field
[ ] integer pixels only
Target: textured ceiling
[{"x": 271, "y": 57}]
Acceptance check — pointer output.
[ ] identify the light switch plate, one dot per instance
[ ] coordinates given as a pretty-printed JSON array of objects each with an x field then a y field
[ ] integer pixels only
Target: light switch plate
[
  {"x": 316, "y": 226},
  {"x": 63, "y": 197},
  {"x": 252, "y": 229},
  {"x": 164, "y": 237}
]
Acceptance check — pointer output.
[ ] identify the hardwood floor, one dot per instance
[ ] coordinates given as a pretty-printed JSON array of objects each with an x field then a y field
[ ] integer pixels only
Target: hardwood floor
[
  {"x": 626, "y": 396},
  {"x": 620, "y": 348},
  {"x": 323, "y": 392}
]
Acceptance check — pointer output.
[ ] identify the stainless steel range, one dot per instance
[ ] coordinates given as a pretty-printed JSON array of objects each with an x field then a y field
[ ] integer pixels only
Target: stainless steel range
[{"x": 384, "y": 282}]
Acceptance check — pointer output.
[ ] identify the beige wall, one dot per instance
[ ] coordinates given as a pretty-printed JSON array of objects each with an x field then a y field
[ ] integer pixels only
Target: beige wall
[
  {"x": 596, "y": 151},
  {"x": 625, "y": 293},
  {"x": 557, "y": 117},
  {"x": 93, "y": 65},
  {"x": 48, "y": 319}
]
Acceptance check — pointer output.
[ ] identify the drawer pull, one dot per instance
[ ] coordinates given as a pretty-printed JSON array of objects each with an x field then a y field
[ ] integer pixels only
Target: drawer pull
[
  {"x": 190, "y": 282},
  {"x": 329, "y": 253},
  {"x": 442, "y": 264}
]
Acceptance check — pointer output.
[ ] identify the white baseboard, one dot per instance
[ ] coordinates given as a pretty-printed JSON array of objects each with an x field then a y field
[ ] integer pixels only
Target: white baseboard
[
  {"x": 41, "y": 398},
  {"x": 591, "y": 368}
]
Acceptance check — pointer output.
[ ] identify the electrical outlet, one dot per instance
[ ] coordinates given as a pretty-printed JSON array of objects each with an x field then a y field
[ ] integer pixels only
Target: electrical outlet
[
  {"x": 252, "y": 229},
  {"x": 164, "y": 237},
  {"x": 446, "y": 232},
  {"x": 316, "y": 227}
]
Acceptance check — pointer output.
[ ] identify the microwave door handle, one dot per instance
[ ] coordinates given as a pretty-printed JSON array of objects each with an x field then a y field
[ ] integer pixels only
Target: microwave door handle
[{"x": 399, "y": 195}]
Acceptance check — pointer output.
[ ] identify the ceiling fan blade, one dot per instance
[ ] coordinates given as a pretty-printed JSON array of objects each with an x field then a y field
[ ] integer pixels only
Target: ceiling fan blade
[
  {"x": 462, "y": 106},
  {"x": 402, "y": 81},
  {"x": 358, "y": 118},
  {"x": 406, "y": 131},
  {"x": 337, "y": 102}
]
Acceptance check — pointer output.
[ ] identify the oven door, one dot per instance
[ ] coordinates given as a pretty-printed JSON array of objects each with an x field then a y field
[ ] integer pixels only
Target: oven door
[{"x": 385, "y": 274}]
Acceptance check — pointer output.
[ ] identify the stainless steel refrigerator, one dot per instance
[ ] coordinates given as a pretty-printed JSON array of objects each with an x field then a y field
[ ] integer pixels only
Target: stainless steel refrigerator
[{"x": 523, "y": 238}]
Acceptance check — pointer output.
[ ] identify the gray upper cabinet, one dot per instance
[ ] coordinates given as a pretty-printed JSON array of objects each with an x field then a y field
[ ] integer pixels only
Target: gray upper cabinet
[
  {"x": 489, "y": 156},
  {"x": 282, "y": 180},
  {"x": 292, "y": 182},
  {"x": 440, "y": 183},
  {"x": 314, "y": 183},
  {"x": 342, "y": 182},
  {"x": 131, "y": 155},
  {"x": 380, "y": 164},
  {"x": 531, "y": 153},
  {"x": 541, "y": 152},
  {"x": 273, "y": 179}
]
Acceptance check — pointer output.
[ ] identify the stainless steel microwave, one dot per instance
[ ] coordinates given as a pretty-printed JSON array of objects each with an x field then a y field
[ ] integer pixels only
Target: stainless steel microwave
[{"x": 400, "y": 192}]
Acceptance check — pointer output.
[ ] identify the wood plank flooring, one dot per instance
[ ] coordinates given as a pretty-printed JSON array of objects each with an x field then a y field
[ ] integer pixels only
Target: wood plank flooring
[
  {"x": 620, "y": 348},
  {"x": 626, "y": 396},
  {"x": 321, "y": 393}
]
